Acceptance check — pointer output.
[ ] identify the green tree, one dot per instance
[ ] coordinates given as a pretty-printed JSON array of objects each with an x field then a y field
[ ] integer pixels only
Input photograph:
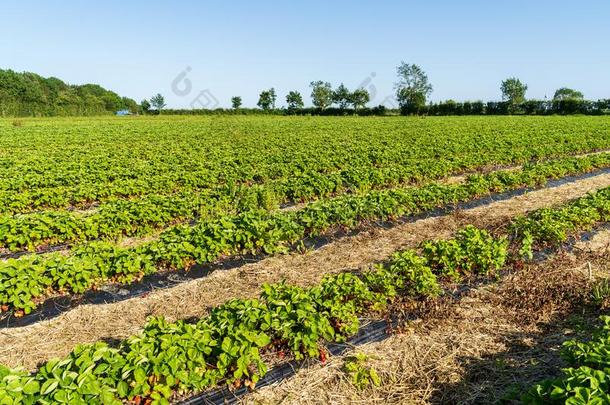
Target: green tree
[
  {"x": 412, "y": 88},
  {"x": 513, "y": 91},
  {"x": 145, "y": 106},
  {"x": 321, "y": 94},
  {"x": 341, "y": 96},
  {"x": 31, "y": 94},
  {"x": 294, "y": 100},
  {"x": 359, "y": 98},
  {"x": 266, "y": 100},
  {"x": 130, "y": 105},
  {"x": 565, "y": 93},
  {"x": 236, "y": 102},
  {"x": 158, "y": 102}
]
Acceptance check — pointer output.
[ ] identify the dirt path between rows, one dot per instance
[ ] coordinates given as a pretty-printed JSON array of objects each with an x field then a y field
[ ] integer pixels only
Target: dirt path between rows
[
  {"x": 30, "y": 345},
  {"x": 494, "y": 343}
]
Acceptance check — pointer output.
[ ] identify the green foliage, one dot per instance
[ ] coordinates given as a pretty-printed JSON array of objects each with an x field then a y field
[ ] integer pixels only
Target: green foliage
[
  {"x": 223, "y": 347},
  {"x": 344, "y": 98},
  {"x": 472, "y": 251},
  {"x": 236, "y": 102},
  {"x": 564, "y": 106},
  {"x": 414, "y": 270},
  {"x": 321, "y": 94},
  {"x": 513, "y": 90},
  {"x": 294, "y": 100},
  {"x": 553, "y": 226},
  {"x": 28, "y": 94},
  {"x": 157, "y": 102},
  {"x": 25, "y": 280},
  {"x": 341, "y": 96},
  {"x": 230, "y": 198},
  {"x": 266, "y": 99},
  {"x": 325, "y": 157},
  {"x": 587, "y": 381},
  {"x": 145, "y": 106},
  {"x": 412, "y": 88},
  {"x": 600, "y": 293},
  {"x": 359, "y": 98},
  {"x": 361, "y": 374},
  {"x": 565, "y": 93}
]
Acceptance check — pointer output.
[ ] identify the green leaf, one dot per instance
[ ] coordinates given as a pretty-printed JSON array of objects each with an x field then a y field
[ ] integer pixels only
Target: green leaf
[
  {"x": 139, "y": 375},
  {"x": 31, "y": 387},
  {"x": 123, "y": 389},
  {"x": 48, "y": 387}
]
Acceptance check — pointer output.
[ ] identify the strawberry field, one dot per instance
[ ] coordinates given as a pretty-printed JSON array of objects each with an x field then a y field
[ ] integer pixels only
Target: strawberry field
[{"x": 87, "y": 203}]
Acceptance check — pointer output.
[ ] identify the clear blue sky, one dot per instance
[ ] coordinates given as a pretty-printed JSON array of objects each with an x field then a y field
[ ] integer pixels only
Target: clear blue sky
[{"x": 137, "y": 48}]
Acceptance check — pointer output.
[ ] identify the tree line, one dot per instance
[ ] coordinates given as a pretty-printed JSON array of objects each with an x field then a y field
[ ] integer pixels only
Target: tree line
[
  {"x": 414, "y": 88},
  {"x": 323, "y": 96},
  {"x": 29, "y": 94},
  {"x": 412, "y": 91}
]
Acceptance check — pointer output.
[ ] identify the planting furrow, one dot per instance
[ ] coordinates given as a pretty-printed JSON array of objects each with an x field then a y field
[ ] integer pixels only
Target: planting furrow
[
  {"x": 51, "y": 230},
  {"x": 170, "y": 360},
  {"x": 116, "y": 292},
  {"x": 85, "y": 162},
  {"x": 490, "y": 345},
  {"x": 22, "y": 346},
  {"x": 29, "y": 280}
]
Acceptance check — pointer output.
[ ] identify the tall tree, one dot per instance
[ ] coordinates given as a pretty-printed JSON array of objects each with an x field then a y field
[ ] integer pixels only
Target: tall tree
[
  {"x": 236, "y": 102},
  {"x": 342, "y": 96},
  {"x": 273, "y": 97},
  {"x": 294, "y": 100},
  {"x": 565, "y": 93},
  {"x": 145, "y": 106},
  {"x": 321, "y": 94},
  {"x": 513, "y": 91},
  {"x": 412, "y": 88},
  {"x": 158, "y": 102},
  {"x": 359, "y": 98},
  {"x": 266, "y": 99}
]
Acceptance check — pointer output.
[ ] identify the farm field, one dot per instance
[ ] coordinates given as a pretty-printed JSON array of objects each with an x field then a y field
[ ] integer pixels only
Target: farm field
[{"x": 320, "y": 224}]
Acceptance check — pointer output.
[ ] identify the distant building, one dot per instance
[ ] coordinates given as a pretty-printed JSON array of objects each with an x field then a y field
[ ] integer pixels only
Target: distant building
[{"x": 122, "y": 113}]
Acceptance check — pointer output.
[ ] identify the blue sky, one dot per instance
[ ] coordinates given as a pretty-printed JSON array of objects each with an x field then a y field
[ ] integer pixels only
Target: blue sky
[{"x": 240, "y": 47}]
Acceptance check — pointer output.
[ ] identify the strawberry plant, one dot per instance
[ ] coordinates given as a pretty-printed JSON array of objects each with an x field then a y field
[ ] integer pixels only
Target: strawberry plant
[
  {"x": 553, "y": 226},
  {"x": 177, "y": 358},
  {"x": 473, "y": 251},
  {"x": 361, "y": 375},
  {"x": 259, "y": 231},
  {"x": 587, "y": 381}
]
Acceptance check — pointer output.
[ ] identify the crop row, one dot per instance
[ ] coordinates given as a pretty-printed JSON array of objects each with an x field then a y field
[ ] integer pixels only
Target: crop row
[
  {"x": 142, "y": 216},
  {"x": 551, "y": 226},
  {"x": 96, "y": 160},
  {"x": 169, "y": 360},
  {"x": 298, "y": 187},
  {"x": 137, "y": 217},
  {"x": 26, "y": 281},
  {"x": 308, "y": 185},
  {"x": 587, "y": 381},
  {"x": 110, "y": 220}
]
